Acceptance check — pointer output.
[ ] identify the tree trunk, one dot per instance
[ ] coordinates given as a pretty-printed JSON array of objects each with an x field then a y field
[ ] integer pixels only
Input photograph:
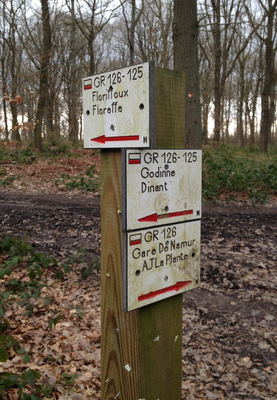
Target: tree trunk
[
  {"x": 228, "y": 117},
  {"x": 185, "y": 53},
  {"x": 252, "y": 131},
  {"x": 72, "y": 92},
  {"x": 15, "y": 131},
  {"x": 268, "y": 98},
  {"x": 240, "y": 135},
  {"x": 91, "y": 41},
  {"x": 13, "y": 72},
  {"x": 217, "y": 72},
  {"x": 43, "y": 76},
  {"x": 49, "y": 113},
  {"x": 4, "y": 83},
  {"x": 57, "y": 117},
  {"x": 205, "y": 117},
  {"x": 132, "y": 33}
]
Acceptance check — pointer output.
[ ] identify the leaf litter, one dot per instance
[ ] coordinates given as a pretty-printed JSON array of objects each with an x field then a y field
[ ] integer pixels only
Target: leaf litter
[{"x": 229, "y": 323}]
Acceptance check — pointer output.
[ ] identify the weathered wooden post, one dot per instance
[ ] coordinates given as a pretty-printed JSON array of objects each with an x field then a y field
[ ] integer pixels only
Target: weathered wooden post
[{"x": 150, "y": 227}]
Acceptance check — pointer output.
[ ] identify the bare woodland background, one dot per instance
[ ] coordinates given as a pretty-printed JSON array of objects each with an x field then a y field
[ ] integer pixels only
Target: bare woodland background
[{"x": 47, "y": 46}]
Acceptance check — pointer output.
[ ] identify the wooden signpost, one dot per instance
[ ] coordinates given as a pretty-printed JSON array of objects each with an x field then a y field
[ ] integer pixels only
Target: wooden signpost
[{"x": 142, "y": 348}]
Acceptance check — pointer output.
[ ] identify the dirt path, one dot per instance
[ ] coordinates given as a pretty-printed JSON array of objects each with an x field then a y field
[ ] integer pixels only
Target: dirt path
[
  {"x": 230, "y": 323},
  {"x": 55, "y": 224}
]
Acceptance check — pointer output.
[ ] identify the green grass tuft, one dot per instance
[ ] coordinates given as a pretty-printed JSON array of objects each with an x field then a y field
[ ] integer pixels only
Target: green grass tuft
[{"x": 229, "y": 172}]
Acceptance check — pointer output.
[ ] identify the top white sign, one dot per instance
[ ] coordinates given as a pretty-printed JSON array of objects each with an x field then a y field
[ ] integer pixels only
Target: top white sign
[{"x": 117, "y": 107}]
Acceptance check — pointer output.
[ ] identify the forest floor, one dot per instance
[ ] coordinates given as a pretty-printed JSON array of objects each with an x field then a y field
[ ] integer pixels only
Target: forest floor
[{"x": 229, "y": 323}]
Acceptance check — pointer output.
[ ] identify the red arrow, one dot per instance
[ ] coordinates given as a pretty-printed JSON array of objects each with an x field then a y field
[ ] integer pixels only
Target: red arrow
[
  {"x": 155, "y": 217},
  {"x": 104, "y": 139},
  {"x": 176, "y": 287}
]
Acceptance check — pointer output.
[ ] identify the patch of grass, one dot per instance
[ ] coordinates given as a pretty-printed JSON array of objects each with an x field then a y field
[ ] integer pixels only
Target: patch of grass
[
  {"x": 55, "y": 149},
  {"x": 229, "y": 171},
  {"x": 20, "y": 154},
  {"x": 7, "y": 181},
  {"x": 3, "y": 153},
  {"x": 88, "y": 269},
  {"x": 24, "y": 153},
  {"x": 88, "y": 183},
  {"x": 3, "y": 172},
  {"x": 28, "y": 380}
]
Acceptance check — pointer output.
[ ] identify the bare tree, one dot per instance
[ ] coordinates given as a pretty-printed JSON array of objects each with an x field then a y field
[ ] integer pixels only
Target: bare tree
[
  {"x": 206, "y": 95},
  {"x": 218, "y": 89},
  {"x": 43, "y": 76},
  {"x": 237, "y": 53},
  {"x": 222, "y": 18},
  {"x": 131, "y": 14},
  {"x": 252, "y": 88},
  {"x": 3, "y": 59},
  {"x": 267, "y": 36},
  {"x": 72, "y": 101},
  {"x": 240, "y": 101},
  {"x": 11, "y": 62},
  {"x": 240, "y": 76},
  {"x": 91, "y": 18},
  {"x": 268, "y": 93},
  {"x": 153, "y": 30}
]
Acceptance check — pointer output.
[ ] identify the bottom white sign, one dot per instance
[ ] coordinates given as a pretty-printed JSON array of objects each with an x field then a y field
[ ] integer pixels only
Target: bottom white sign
[{"x": 160, "y": 262}]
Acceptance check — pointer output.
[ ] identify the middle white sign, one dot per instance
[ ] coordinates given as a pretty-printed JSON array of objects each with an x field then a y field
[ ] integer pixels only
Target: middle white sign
[{"x": 161, "y": 187}]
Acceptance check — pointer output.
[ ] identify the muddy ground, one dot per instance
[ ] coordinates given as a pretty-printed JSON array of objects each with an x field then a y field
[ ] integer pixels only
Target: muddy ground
[{"x": 229, "y": 323}]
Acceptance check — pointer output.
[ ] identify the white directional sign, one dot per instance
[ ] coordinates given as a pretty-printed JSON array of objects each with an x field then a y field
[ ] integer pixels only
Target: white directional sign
[
  {"x": 161, "y": 187},
  {"x": 117, "y": 106},
  {"x": 160, "y": 262}
]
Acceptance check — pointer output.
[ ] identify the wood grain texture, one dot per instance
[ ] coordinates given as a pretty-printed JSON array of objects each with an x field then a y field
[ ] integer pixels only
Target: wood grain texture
[
  {"x": 160, "y": 337},
  {"x": 160, "y": 325},
  {"x": 170, "y": 109},
  {"x": 142, "y": 349},
  {"x": 120, "y": 352}
]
